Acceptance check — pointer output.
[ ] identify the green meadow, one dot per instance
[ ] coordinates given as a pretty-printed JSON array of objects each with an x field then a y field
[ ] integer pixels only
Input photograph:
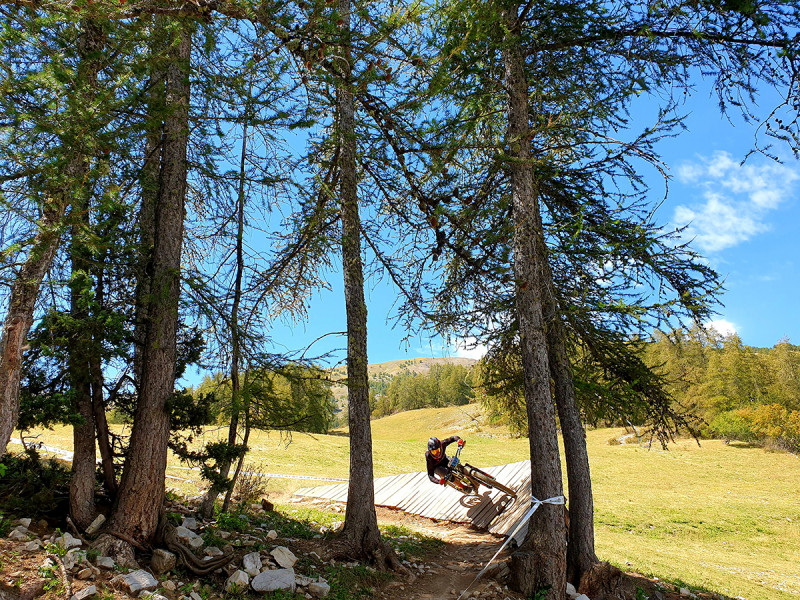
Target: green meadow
[{"x": 714, "y": 517}]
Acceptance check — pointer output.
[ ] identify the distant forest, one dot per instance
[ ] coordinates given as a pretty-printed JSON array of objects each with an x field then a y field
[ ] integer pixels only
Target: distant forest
[
  {"x": 733, "y": 391},
  {"x": 740, "y": 392}
]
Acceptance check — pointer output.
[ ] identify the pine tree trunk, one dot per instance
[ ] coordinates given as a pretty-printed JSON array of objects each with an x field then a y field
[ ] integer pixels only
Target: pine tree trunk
[
  {"x": 98, "y": 399},
  {"x": 101, "y": 428},
  {"x": 141, "y": 492},
  {"x": 149, "y": 181},
  {"x": 19, "y": 318},
  {"x": 580, "y": 546},
  {"x": 82, "y": 482},
  {"x": 541, "y": 562},
  {"x": 360, "y": 532}
]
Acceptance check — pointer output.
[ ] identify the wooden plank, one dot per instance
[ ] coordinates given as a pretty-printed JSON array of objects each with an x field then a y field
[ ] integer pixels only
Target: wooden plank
[
  {"x": 415, "y": 494},
  {"x": 403, "y": 486},
  {"x": 383, "y": 483}
]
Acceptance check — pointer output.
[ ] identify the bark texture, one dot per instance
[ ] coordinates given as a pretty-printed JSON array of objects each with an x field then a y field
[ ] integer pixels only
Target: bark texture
[
  {"x": 19, "y": 318},
  {"x": 541, "y": 563},
  {"x": 141, "y": 492},
  {"x": 82, "y": 347},
  {"x": 149, "y": 181},
  {"x": 581, "y": 556},
  {"x": 360, "y": 534}
]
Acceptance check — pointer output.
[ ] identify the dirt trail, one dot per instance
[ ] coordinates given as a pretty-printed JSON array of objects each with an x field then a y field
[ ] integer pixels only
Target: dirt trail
[{"x": 447, "y": 573}]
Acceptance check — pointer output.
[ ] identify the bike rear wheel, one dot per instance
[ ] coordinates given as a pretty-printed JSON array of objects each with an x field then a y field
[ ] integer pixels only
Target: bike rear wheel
[{"x": 491, "y": 482}]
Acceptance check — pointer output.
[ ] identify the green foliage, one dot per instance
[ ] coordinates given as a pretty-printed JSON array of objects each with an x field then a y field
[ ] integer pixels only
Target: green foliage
[
  {"x": 541, "y": 593},
  {"x": 5, "y": 526},
  {"x": 743, "y": 393},
  {"x": 444, "y": 385},
  {"x": 233, "y": 521},
  {"x": 56, "y": 549},
  {"x": 353, "y": 583},
  {"x": 32, "y": 486},
  {"x": 212, "y": 539},
  {"x": 282, "y": 595},
  {"x": 292, "y": 397},
  {"x": 50, "y": 574},
  {"x": 299, "y": 522}
]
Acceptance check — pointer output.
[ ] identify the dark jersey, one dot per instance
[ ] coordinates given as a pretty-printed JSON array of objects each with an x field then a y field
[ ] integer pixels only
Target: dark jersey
[{"x": 442, "y": 461}]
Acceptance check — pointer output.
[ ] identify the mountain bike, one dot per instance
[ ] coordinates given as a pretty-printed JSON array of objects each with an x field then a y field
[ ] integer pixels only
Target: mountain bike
[{"x": 466, "y": 479}]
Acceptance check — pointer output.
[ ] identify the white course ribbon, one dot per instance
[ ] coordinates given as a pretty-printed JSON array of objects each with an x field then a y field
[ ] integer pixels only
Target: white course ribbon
[{"x": 535, "y": 503}]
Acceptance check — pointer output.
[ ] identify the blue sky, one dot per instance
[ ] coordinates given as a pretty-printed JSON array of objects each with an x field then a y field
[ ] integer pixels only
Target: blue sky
[{"x": 742, "y": 217}]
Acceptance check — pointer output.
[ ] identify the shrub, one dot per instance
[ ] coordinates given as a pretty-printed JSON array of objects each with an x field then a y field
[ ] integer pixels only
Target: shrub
[
  {"x": 251, "y": 485},
  {"x": 33, "y": 486},
  {"x": 768, "y": 424},
  {"x": 732, "y": 425}
]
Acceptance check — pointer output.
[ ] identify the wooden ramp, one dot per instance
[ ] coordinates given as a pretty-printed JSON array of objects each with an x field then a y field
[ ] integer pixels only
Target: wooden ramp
[{"x": 414, "y": 493}]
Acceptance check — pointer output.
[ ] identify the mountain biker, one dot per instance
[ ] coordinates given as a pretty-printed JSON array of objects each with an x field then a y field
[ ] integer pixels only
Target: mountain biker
[{"x": 437, "y": 460}]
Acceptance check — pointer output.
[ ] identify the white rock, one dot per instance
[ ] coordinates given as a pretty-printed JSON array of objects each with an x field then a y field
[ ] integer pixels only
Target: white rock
[
  {"x": 84, "y": 574},
  {"x": 303, "y": 581},
  {"x": 138, "y": 581},
  {"x": 214, "y": 551},
  {"x": 96, "y": 525},
  {"x": 189, "y": 523},
  {"x": 184, "y": 534},
  {"x": 67, "y": 541},
  {"x": 237, "y": 582},
  {"x": 251, "y": 563},
  {"x": 195, "y": 596},
  {"x": 169, "y": 585},
  {"x": 582, "y": 597},
  {"x": 19, "y": 534},
  {"x": 272, "y": 534},
  {"x": 104, "y": 562},
  {"x": 33, "y": 545},
  {"x": 269, "y": 581},
  {"x": 84, "y": 593},
  {"x": 196, "y": 543},
  {"x": 73, "y": 557},
  {"x": 686, "y": 592},
  {"x": 572, "y": 593},
  {"x": 319, "y": 590},
  {"x": 151, "y": 595},
  {"x": 223, "y": 534},
  {"x": 284, "y": 557},
  {"x": 26, "y": 523},
  {"x": 162, "y": 561}
]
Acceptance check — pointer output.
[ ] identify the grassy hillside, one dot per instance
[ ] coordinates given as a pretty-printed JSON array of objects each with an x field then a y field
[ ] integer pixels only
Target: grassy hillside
[
  {"x": 412, "y": 365},
  {"x": 722, "y": 518},
  {"x": 392, "y": 368}
]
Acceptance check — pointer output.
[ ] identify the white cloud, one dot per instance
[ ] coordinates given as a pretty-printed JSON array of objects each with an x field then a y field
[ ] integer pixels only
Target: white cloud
[
  {"x": 737, "y": 199},
  {"x": 721, "y": 326},
  {"x": 467, "y": 348}
]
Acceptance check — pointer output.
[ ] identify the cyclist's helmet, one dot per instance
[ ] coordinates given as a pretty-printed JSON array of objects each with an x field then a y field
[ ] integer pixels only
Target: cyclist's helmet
[{"x": 435, "y": 447}]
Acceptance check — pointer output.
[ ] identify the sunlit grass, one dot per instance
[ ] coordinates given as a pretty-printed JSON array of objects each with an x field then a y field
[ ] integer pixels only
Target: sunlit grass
[{"x": 715, "y": 517}]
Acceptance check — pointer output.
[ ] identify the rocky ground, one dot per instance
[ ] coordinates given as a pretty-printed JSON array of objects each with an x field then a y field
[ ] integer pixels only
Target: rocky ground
[{"x": 39, "y": 561}]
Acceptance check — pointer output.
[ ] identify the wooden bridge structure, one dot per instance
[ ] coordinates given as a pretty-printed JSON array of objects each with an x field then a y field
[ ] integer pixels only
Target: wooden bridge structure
[{"x": 414, "y": 493}]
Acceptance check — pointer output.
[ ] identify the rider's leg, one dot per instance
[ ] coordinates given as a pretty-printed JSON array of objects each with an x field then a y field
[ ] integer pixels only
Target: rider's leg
[{"x": 441, "y": 472}]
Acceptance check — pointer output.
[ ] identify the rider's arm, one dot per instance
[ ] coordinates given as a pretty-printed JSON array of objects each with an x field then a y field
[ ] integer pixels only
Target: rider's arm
[{"x": 450, "y": 440}]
